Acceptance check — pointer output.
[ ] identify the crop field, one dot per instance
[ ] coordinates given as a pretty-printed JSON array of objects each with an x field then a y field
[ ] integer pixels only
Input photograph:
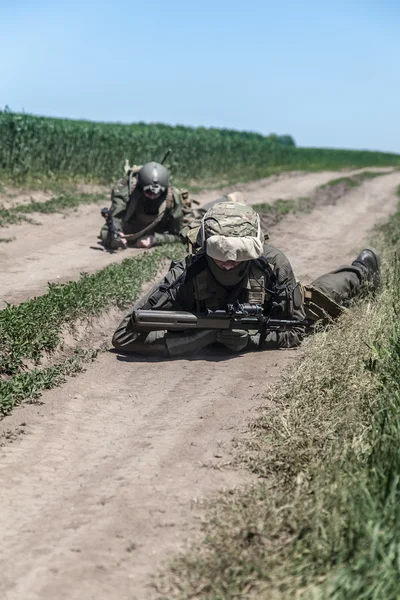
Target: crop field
[
  {"x": 254, "y": 475},
  {"x": 36, "y": 148}
]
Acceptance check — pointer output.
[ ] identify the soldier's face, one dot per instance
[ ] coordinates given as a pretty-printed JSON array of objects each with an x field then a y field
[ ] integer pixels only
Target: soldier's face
[
  {"x": 151, "y": 195},
  {"x": 227, "y": 264}
]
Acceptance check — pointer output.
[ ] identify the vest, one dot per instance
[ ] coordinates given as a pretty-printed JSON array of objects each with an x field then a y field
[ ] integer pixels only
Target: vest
[{"x": 211, "y": 295}]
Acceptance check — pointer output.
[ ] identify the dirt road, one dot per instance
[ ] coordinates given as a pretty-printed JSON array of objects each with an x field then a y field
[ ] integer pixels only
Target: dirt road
[
  {"x": 100, "y": 489},
  {"x": 65, "y": 245}
]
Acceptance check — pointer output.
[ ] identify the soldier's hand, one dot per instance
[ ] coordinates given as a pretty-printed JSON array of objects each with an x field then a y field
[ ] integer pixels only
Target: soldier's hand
[
  {"x": 123, "y": 241},
  {"x": 145, "y": 242}
]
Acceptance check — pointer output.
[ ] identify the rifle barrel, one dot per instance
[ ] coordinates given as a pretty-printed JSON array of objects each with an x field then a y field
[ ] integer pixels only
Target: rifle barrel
[{"x": 166, "y": 156}]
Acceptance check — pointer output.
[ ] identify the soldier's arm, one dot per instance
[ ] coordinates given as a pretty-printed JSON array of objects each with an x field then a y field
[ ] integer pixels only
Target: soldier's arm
[
  {"x": 165, "y": 238},
  {"x": 161, "y": 343},
  {"x": 104, "y": 229},
  {"x": 127, "y": 339},
  {"x": 290, "y": 300},
  {"x": 119, "y": 199}
]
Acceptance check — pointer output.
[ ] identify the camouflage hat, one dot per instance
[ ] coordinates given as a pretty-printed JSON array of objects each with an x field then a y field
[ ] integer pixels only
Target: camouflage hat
[
  {"x": 231, "y": 231},
  {"x": 231, "y": 219}
]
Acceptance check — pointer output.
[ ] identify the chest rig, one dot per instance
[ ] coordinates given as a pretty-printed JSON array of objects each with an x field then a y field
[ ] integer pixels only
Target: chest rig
[{"x": 210, "y": 295}]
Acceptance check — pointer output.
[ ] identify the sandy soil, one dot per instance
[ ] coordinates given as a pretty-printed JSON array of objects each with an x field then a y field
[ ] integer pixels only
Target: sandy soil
[
  {"x": 65, "y": 245},
  {"x": 102, "y": 486}
]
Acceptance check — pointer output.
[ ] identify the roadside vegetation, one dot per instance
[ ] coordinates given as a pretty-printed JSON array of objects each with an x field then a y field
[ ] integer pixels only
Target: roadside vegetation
[
  {"x": 33, "y": 329},
  {"x": 322, "y": 521},
  {"x": 272, "y": 213},
  {"x": 67, "y": 201},
  {"x": 353, "y": 181},
  {"x": 44, "y": 149}
]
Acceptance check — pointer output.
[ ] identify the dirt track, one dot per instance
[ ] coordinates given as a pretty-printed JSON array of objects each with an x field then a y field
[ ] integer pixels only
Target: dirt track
[
  {"x": 99, "y": 490},
  {"x": 63, "y": 246}
]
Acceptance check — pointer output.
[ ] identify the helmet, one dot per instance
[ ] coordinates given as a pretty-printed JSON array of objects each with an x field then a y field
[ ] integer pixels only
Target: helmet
[
  {"x": 231, "y": 232},
  {"x": 153, "y": 178}
]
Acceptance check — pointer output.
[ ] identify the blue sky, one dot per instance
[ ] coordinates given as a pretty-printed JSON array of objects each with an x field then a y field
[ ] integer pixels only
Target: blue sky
[{"x": 326, "y": 72}]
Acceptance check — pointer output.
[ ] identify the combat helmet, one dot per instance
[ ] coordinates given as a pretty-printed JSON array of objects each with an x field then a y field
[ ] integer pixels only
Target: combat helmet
[
  {"x": 153, "y": 178},
  {"x": 231, "y": 231}
]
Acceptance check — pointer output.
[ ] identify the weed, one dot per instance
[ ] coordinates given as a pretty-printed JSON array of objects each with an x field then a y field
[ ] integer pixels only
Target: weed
[
  {"x": 30, "y": 385},
  {"x": 67, "y": 201},
  {"x": 354, "y": 180}
]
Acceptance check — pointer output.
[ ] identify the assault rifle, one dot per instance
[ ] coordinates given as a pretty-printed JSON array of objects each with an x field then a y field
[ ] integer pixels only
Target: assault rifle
[
  {"x": 113, "y": 238},
  {"x": 236, "y": 316}
]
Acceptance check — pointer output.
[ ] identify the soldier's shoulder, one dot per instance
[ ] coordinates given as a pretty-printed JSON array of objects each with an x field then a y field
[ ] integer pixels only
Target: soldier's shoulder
[
  {"x": 182, "y": 193},
  {"x": 271, "y": 252},
  {"x": 120, "y": 185}
]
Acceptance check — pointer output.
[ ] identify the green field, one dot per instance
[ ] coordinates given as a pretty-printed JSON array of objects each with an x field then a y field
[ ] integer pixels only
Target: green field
[{"x": 38, "y": 148}]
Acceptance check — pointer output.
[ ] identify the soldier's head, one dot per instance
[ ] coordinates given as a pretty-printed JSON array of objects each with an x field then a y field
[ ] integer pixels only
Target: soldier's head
[
  {"x": 153, "y": 179},
  {"x": 231, "y": 237}
]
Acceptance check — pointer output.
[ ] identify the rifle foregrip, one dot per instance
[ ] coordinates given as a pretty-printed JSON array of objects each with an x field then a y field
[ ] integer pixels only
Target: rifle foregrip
[{"x": 164, "y": 319}]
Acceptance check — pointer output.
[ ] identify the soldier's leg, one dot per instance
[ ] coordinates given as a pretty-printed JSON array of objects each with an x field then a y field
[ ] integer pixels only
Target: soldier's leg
[{"x": 350, "y": 280}]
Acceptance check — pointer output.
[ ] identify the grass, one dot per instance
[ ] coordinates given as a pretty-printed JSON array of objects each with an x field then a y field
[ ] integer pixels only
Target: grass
[
  {"x": 68, "y": 201},
  {"x": 32, "y": 384},
  {"x": 22, "y": 344},
  {"x": 281, "y": 207},
  {"x": 322, "y": 522}
]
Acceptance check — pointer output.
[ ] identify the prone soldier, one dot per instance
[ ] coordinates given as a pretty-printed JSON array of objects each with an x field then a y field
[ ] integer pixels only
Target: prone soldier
[{"x": 235, "y": 267}]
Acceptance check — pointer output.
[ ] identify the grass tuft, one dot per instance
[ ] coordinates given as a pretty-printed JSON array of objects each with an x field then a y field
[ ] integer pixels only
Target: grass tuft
[
  {"x": 354, "y": 180},
  {"x": 31, "y": 384},
  {"x": 68, "y": 201}
]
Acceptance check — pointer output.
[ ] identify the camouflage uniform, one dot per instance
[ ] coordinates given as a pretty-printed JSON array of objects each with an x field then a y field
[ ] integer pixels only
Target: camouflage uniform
[
  {"x": 191, "y": 285},
  {"x": 132, "y": 212}
]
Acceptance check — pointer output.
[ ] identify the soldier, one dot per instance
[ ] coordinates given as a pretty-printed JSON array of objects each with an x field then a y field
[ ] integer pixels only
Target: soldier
[
  {"x": 146, "y": 209},
  {"x": 234, "y": 263}
]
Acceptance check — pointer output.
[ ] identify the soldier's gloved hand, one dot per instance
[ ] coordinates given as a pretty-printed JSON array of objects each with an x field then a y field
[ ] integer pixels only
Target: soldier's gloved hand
[{"x": 234, "y": 339}]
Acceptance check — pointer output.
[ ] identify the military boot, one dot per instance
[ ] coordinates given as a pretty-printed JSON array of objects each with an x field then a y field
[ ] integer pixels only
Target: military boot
[{"x": 370, "y": 261}]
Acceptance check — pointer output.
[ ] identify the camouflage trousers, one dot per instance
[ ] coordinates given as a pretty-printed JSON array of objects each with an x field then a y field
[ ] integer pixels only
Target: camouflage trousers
[{"x": 327, "y": 296}]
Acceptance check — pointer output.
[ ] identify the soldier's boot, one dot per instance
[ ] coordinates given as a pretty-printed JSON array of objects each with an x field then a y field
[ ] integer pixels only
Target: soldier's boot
[{"x": 370, "y": 261}]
